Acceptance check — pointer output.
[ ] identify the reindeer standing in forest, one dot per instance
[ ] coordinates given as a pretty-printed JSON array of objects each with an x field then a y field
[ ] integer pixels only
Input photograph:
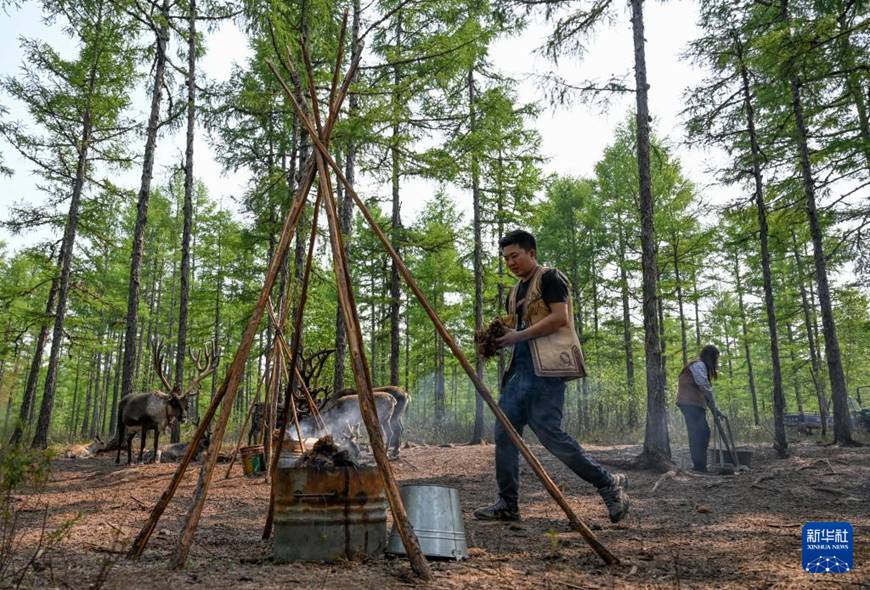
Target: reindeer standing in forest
[{"x": 157, "y": 410}]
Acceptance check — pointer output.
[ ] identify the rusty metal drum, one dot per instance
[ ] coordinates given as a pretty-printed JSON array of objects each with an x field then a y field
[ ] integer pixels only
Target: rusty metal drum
[{"x": 327, "y": 515}]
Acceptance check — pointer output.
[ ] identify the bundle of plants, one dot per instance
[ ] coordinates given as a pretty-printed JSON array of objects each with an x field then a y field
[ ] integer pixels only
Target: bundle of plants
[
  {"x": 326, "y": 455},
  {"x": 485, "y": 339}
]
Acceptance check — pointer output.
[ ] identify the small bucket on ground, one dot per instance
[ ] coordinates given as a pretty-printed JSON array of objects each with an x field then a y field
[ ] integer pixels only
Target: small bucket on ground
[
  {"x": 253, "y": 460},
  {"x": 436, "y": 515}
]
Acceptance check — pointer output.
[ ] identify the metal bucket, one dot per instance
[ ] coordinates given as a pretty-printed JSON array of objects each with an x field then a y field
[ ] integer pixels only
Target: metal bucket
[
  {"x": 436, "y": 515},
  {"x": 253, "y": 460},
  {"x": 329, "y": 515},
  {"x": 743, "y": 455}
]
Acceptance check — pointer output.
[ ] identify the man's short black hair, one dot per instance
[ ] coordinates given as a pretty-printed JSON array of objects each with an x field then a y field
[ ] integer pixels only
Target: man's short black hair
[{"x": 520, "y": 238}]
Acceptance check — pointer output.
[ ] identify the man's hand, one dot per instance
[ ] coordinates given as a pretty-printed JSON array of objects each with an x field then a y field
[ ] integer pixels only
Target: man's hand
[
  {"x": 718, "y": 413},
  {"x": 510, "y": 338}
]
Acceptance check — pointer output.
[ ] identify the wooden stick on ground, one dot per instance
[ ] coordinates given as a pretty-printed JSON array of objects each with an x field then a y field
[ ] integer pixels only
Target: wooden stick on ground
[{"x": 532, "y": 460}]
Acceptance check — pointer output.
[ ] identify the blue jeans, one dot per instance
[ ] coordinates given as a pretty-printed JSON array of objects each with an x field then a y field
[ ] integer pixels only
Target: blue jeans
[
  {"x": 537, "y": 401},
  {"x": 699, "y": 434}
]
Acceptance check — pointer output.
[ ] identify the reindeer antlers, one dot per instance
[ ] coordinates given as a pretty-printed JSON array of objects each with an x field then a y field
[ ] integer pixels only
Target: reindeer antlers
[
  {"x": 157, "y": 357},
  {"x": 205, "y": 362}
]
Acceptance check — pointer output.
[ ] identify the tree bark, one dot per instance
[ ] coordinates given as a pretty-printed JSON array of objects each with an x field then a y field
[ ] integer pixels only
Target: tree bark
[
  {"x": 780, "y": 441},
  {"x": 656, "y": 444},
  {"x": 142, "y": 207},
  {"x": 346, "y": 212},
  {"x": 40, "y": 439},
  {"x": 815, "y": 362},
  {"x": 839, "y": 395},
  {"x": 395, "y": 286},
  {"x": 188, "y": 207},
  {"x": 746, "y": 351},
  {"x": 684, "y": 343},
  {"x": 626, "y": 328},
  {"x": 27, "y": 401},
  {"x": 477, "y": 431}
]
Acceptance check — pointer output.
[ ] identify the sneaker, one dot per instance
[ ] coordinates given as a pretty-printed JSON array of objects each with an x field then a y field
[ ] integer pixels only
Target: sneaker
[
  {"x": 615, "y": 498},
  {"x": 498, "y": 511}
]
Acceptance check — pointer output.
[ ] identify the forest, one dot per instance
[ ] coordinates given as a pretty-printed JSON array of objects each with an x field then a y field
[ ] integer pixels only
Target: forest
[{"x": 104, "y": 280}]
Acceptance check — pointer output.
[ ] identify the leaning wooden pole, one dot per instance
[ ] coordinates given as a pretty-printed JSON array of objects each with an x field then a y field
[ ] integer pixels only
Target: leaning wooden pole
[
  {"x": 233, "y": 377},
  {"x": 248, "y": 415},
  {"x": 289, "y": 399},
  {"x": 364, "y": 386},
  {"x": 533, "y": 461},
  {"x": 359, "y": 364}
]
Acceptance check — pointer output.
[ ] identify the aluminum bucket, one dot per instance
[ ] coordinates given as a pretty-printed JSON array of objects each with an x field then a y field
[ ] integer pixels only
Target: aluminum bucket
[{"x": 436, "y": 515}]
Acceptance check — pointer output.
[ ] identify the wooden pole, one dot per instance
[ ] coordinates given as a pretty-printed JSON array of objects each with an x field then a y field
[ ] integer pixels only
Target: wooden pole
[
  {"x": 359, "y": 364},
  {"x": 289, "y": 399},
  {"x": 244, "y": 427},
  {"x": 532, "y": 460},
  {"x": 233, "y": 377},
  {"x": 231, "y": 383}
]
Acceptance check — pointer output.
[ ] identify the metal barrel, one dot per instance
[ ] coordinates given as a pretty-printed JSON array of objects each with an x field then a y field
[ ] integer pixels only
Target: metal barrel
[
  {"x": 329, "y": 515},
  {"x": 436, "y": 515}
]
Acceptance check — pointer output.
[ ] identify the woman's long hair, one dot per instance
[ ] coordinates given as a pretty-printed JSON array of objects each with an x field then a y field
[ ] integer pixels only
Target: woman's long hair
[{"x": 710, "y": 355}]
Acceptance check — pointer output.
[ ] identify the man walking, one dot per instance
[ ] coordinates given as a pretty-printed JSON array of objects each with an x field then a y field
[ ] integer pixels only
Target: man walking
[{"x": 546, "y": 353}]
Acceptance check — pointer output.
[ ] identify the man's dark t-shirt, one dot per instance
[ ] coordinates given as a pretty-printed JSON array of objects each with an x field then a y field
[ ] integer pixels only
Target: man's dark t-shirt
[{"x": 553, "y": 290}]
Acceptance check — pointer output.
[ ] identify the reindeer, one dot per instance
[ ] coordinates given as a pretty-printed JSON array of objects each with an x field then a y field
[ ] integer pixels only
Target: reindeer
[
  {"x": 157, "y": 410},
  {"x": 341, "y": 414},
  {"x": 310, "y": 367},
  {"x": 83, "y": 451},
  {"x": 397, "y": 425}
]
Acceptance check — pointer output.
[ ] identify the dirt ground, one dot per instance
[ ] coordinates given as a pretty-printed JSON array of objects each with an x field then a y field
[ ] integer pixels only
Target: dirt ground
[{"x": 741, "y": 531}]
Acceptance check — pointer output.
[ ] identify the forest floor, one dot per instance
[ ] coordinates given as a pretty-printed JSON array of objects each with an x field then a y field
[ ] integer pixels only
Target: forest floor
[{"x": 739, "y": 531}]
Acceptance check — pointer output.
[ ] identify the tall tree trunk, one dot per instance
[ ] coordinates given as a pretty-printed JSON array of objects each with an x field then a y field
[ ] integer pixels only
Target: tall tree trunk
[
  {"x": 27, "y": 401},
  {"x": 97, "y": 394},
  {"x": 107, "y": 379},
  {"x": 684, "y": 343},
  {"x": 346, "y": 212},
  {"x": 839, "y": 395},
  {"x": 815, "y": 361},
  {"x": 153, "y": 297},
  {"x": 113, "y": 419},
  {"x": 695, "y": 301},
  {"x": 477, "y": 431},
  {"x": 40, "y": 439},
  {"x": 188, "y": 209},
  {"x": 396, "y": 236},
  {"x": 796, "y": 382},
  {"x": 88, "y": 395},
  {"x": 746, "y": 351},
  {"x": 12, "y": 386},
  {"x": 656, "y": 444},
  {"x": 131, "y": 327},
  {"x": 219, "y": 280},
  {"x": 853, "y": 82},
  {"x": 70, "y": 423},
  {"x": 626, "y": 329},
  {"x": 780, "y": 441}
]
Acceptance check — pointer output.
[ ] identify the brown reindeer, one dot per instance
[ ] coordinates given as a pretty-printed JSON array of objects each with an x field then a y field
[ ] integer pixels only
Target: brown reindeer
[{"x": 157, "y": 410}]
